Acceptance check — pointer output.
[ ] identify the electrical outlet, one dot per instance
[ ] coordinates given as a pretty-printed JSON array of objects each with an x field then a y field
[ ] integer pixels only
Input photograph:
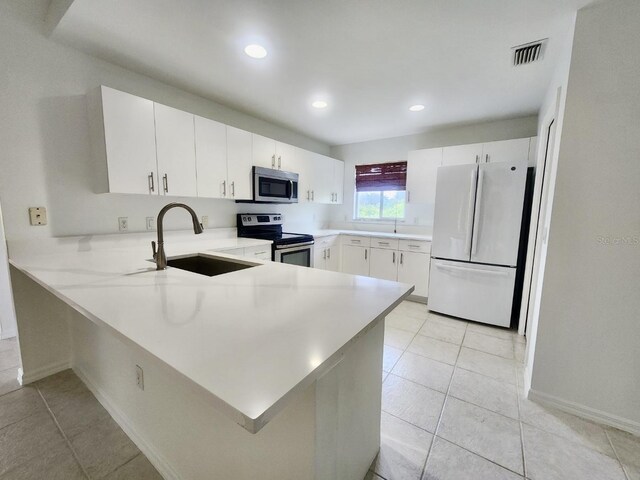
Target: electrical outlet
[
  {"x": 38, "y": 216},
  {"x": 151, "y": 223},
  {"x": 139, "y": 377},
  {"x": 205, "y": 221},
  {"x": 123, "y": 224}
]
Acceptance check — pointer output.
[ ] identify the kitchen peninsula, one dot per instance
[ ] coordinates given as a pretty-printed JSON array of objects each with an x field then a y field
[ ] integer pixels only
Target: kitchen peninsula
[{"x": 268, "y": 372}]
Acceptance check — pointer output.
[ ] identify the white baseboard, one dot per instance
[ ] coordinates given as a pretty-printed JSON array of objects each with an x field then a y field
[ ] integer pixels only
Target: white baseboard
[
  {"x": 8, "y": 333},
  {"x": 42, "y": 372},
  {"x": 586, "y": 412},
  {"x": 157, "y": 460}
]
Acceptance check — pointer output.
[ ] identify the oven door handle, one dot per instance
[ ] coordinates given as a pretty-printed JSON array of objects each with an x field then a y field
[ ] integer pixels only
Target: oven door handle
[{"x": 294, "y": 245}]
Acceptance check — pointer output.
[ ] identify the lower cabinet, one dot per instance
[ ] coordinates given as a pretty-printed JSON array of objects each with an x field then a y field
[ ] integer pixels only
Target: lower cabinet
[
  {"x": 413, "y": 268},
  {"x": 384, "y": 264},
  {"x": 355, "y": 260},
  {"x": 326, "y": 253},
  {"x": 262, "y": 252}
]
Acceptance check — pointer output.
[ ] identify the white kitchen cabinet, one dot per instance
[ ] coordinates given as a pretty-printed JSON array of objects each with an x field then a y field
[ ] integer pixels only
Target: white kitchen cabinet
[
  {"x": 337, "y": 195},
  {"x": 384, "y": 264},
  {"x": 125, "y": 140},
  {"x": 422, "y": 170},
  {"x": 462, "y": 154},
  {"x": 285, "y": 158},
  {"x": 211, "y": 158},
  {"x": 316, "y": 177},
  {"x": 261, "y": 252},
  {"x": 413, "y": 268},
  {"x": 239, "y": 163},
  {"x": 305, "y": 174},
  {"x": 516, "y": 150},
  {"x": 355, "y": 260},
  {"x": 327, "y": 253},
  {"x": 175, "y": 146},
  {"x": 264, "y": 151},
  {"x": 533, "y": 151}
]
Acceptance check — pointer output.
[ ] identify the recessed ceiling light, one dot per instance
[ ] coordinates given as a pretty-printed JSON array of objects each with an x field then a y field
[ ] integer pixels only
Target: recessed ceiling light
[
  {"x": 255, "y": 51},
  {"x": 319, "y": 104},
  {"x": 416, "y": 108}
]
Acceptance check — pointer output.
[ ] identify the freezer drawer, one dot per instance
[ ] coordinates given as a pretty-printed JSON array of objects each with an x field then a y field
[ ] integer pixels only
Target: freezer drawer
[{"x": 481, "y": 293}]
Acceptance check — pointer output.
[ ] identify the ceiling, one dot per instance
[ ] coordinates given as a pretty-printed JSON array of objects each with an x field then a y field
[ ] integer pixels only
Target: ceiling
[{"x": 369, "y": 59}]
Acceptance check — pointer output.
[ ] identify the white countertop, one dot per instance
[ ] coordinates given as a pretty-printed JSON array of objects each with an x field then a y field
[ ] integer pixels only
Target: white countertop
[
  {"x": 363, "y": 233},
  {"x": 251, "y": 339}
]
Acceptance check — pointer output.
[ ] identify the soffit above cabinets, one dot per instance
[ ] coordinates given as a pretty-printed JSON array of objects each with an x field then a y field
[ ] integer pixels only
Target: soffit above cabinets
[{"x": 370, "y": 64}]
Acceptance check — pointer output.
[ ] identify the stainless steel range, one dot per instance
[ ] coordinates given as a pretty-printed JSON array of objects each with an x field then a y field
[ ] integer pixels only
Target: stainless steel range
[{"x": 291, "y": 248}]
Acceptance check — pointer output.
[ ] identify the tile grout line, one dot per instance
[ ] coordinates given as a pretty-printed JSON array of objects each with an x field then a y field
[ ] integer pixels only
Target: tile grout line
[
  {"x": 624, "y": 470},
  {"x": 444, "y": 405},
  {"x": 520, "y": 424},
  {"x": 64, "y": 435}
]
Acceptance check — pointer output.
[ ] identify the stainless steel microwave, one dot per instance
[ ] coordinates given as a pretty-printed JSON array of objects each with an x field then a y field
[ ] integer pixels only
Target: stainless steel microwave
[{"x": 274, "y": 186}]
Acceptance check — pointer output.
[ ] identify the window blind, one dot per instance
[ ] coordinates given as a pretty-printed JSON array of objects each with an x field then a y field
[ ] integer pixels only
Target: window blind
[{"x": 381, "y": 176}]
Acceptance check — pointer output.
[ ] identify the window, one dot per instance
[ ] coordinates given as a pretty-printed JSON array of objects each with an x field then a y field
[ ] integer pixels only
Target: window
[{"x": 380, "y": 191}]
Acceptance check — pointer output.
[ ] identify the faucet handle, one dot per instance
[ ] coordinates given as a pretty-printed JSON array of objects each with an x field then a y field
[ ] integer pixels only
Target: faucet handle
[{"x": 153, "y": 248}]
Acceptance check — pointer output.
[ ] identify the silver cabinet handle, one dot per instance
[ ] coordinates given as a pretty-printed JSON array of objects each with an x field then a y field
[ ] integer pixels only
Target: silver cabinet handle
[
  {"x": 365, "y": 253},
  {"x": 312, "y": 196},
  {"x": 487, "y": 158},
  {"x": 414, "y": 246},
  {"x": 401, "y": 258},
  {"x": 279, "y": 162},
  {"x": 233, "y": 189},
  {"x": 383, "y": 243},
  {"x": 165, "y": 183},
  {"x": 394, "y": 257},
  {"x": 224, "y": 188},
  {"x": 328, "y": 254},
  {"x": 408, "y": 196},
  {"x": 273, "y": 161},
  {"x": 353, "y": 240},
  {"x": 152, "y": 187},
  {"x": 324, "y": 254},
  {"x": 477, "y": 159},
  {"x": 308, "y": 195}
]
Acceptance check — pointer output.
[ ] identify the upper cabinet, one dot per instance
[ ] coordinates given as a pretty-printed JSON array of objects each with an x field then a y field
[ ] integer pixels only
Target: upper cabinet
[
  {"x": 264, "y": 151},
  {"x": 126, "y": 141},
  {"x": 422, "y": 168},
  {"x": 338, "y": 181},
  {"x": 462, "y": 154},
  {"x": 175, "y": 147},
  {"x": 285, "y": 157},
  {"x": 211, "y": 158},
  {"x": 506, "y": 151},
  {"x": 239, "y": 163}
]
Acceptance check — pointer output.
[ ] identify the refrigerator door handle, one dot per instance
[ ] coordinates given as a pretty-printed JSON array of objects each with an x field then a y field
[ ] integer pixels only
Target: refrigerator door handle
[
  {"x": 472, "y": 188},
  {"x": 476, "y": 216},
  {"x": 501, "y": 273}
]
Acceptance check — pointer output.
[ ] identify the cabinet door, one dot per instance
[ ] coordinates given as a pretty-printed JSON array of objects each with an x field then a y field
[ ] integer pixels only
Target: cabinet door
[
  {"x": 384, "y": 264},
  {"x": 319, "y": 256},
  {"x": 462, "y": 154},
  {"x": 333, "y": 257},
  {"x": 413, "y": 269},
  {"x": 322, "y": 186},
  {"x": 211, "y": 158},
  {"x": 264, "y": 151},
  {"x": 239, "y": 175},
  {"x": 305, "y": 174},
  {"x": 175, "y": 143},
  {"x": 355, "y": 260},
  {"x": 506, "y": 151},
  {"x": 130, "y": 142},
  {"x": 338, "y": 181},
  {"x": 285, "y": 157},
  {"x": 422, "y": 170}
]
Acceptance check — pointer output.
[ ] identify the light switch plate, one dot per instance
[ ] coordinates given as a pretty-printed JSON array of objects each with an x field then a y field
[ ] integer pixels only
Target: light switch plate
[
  {"x": 151, "y": 223},
  {"x": 38, "y": 216}
]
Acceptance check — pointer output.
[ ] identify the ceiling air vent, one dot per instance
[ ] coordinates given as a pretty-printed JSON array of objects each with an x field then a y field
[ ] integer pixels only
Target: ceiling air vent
[{"x": 529, "y": 52}]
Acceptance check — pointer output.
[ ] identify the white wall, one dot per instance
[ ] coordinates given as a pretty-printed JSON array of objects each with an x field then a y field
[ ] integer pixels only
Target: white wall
[
  {"x": 397, "y": 149},
  {"x": 44, "y": 135},
  {"x": 587, "y": 354}
]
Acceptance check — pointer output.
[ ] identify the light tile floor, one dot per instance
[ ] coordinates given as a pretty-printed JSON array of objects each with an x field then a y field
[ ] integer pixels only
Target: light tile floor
[
  {"x": 57, "y": 430},
  {"x": 453, "y": 410}
]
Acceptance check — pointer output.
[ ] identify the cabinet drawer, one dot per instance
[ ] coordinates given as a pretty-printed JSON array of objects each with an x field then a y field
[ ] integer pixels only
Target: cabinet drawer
[
  {"x": 420, "y": 246},
  {"x": 262, "y": 252},
  {"x": 388, "y": 243},
  {"x": 325, "y": 241},
  {"x": 356, "y": 240},
  {"x": 232, "y": 251}
]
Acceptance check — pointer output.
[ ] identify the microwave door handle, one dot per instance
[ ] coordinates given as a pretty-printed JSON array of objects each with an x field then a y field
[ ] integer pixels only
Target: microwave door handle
[{"x": 290, "y": 189}]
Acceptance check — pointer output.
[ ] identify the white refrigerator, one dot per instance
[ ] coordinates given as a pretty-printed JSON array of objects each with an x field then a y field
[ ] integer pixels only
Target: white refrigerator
[{"x": 476, "y": 236}]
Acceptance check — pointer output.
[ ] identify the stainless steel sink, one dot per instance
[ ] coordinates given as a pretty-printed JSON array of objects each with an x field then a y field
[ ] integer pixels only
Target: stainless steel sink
[{"x": 209, "y": 266}]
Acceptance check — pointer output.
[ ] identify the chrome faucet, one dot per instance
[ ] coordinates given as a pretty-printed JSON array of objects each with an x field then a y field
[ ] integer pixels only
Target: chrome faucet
[{"x": 159, "y": 256}]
